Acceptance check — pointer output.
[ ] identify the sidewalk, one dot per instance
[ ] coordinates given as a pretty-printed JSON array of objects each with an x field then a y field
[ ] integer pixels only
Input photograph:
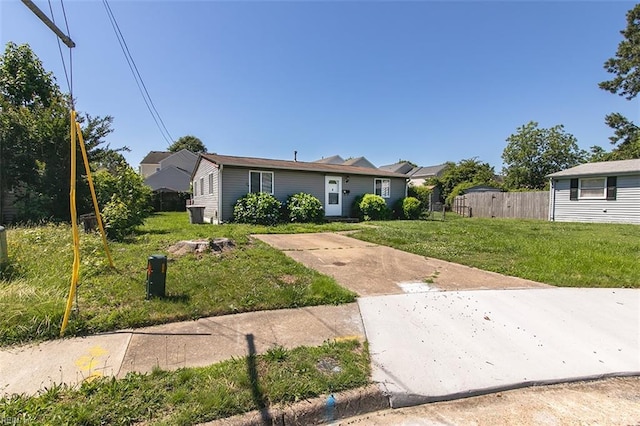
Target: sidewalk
[{"x": 29, "y": 368}]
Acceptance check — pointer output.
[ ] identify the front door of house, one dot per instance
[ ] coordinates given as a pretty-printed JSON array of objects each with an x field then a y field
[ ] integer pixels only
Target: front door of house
[{"x": 333, "y": 196}]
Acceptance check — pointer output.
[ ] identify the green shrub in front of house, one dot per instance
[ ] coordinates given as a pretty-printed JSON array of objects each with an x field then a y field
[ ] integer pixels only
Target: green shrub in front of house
[
  {"x": 355, "y": 207},
  {"x": 258, "y": 209},
  {"x": 304, "y": 208},
  {"x": 411, "y": 208},
  {"x": 373, "y": 207}
]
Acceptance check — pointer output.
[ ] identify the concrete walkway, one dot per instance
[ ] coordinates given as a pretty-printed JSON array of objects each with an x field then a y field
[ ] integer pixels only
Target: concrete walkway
[{"x": 29, "y": 368}]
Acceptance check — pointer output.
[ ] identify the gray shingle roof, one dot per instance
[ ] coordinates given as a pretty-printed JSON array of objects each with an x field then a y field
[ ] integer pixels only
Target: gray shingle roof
[
  {"x": 155, "y": 157},
  {"x": 428, "y": 171},
  {"x": 228, "y": 160},
  {"x": 621, "y": 167}
]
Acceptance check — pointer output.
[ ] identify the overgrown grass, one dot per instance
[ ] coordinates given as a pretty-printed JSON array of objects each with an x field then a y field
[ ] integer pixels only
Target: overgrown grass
[
  {"x": 561, "y": 254},
  {"x": 34, "y": 287},
  {"x": 192, "y": 395}
]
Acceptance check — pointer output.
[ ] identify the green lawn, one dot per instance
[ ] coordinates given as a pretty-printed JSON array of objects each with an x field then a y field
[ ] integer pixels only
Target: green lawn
[
  {"x": 561, "y": 254},
  {"x": 254, "y": 276},
  {"x": 194, "y": 395}
]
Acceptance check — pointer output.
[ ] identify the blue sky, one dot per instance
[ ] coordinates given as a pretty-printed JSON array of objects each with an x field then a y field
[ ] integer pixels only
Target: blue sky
[{"x": 424, "y": 81}]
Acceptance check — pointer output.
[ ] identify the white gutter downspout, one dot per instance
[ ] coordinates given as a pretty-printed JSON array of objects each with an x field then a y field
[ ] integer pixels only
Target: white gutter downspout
[
  {"x": 552, "y": 210},
  {"x": 220, "y": 194}
]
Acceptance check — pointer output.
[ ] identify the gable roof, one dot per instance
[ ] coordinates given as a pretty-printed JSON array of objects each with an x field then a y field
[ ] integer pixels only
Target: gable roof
[
  {"x": 183, "y": 159},
  {"x": 621, "y": 167},
  {"x": 155, "y": 157},
  {"x": 400, "y": 167},
  {"x": 429, "y": 171},
  {"x": 360, "y": 162},
  {"x": 251, "y": 162},
  {"x": 334, "y": 159},
  {"x": 170, "y": 178}
]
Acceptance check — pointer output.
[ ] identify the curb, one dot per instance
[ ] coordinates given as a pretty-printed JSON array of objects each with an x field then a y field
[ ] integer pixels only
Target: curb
[{"x": 313, "y": 411}]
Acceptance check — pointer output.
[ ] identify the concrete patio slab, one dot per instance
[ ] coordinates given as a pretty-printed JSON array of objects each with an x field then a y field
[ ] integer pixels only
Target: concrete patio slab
[{"x": 459, "y": 344}]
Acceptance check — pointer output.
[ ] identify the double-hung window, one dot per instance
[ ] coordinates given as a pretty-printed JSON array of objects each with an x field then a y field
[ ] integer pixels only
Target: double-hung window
[
  {"x": 382, "y": 187},
  {"x": 210, "y": 183},
  {"x": 593, "y": 188},
  {"x": 260, "y": 181},
  {"x": 202, "y": 186}
]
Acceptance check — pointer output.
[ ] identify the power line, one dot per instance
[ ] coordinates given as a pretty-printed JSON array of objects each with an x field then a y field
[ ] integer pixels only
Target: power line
[{"x": 136, "y": 75}]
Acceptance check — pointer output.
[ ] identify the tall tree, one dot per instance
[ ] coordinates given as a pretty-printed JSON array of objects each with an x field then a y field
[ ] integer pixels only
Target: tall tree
[
  {"x": 532, "y": 153},
  {"x": 625, "y": 66},
  {"x": 189, "y": 142},
  {"x": 469, "y": 171},
  {"x": 34, "y": 138}
]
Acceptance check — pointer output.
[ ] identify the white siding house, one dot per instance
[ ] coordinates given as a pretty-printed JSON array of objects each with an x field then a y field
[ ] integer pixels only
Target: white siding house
[{"x": 606, "y": 192}]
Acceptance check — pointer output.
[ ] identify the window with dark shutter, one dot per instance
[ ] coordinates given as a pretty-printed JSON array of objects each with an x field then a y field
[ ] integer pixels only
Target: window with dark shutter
[
  {"x": 573, "y": 193},
  {"x": 612, "y": 182}
]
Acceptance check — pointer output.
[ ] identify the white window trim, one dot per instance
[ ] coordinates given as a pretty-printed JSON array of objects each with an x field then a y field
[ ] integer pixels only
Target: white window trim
[
  {"x": 273, "y": 186},
  {"x": 211, "y": 183},
  {"x": 382, "y": 180},
  {"x": 599, "y": 197}
]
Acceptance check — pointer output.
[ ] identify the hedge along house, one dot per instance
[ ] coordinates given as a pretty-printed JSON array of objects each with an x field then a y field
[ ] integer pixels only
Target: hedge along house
[
  {"x": 596, "y": 192},
  {"x": 218, "y": 181}
]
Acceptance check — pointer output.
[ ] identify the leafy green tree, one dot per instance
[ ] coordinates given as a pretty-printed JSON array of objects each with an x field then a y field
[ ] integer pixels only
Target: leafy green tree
[
  {"x": 189, "y": 142},
  {"x": 34, "y": 138},
  {"x": 625, "y": 66},
  {"x": 470, "y": 170},
  {"x": 533, "y": 152}
]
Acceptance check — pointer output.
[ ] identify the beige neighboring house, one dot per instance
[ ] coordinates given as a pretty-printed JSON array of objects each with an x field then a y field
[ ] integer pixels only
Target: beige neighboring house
[{"x": 151, "y": 162}]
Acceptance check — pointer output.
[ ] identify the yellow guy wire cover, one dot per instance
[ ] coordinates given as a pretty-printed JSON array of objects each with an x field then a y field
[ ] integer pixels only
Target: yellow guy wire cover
[
  {"x": 93, "y": 193},
  {"x": 74, "y": 228}
]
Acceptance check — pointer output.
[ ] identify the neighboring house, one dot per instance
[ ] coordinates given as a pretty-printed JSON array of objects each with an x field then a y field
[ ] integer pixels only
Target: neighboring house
[
  {"x": 596, "y": 192},
  {"x": 356, "y": 161},
  {"x": 419, "y": 175},
  {"x": 220, "y": 180},
  {"x": 151, "y": 162},
  {"x": 482, "y": 188},
  {"x": 172, "y": 179}
]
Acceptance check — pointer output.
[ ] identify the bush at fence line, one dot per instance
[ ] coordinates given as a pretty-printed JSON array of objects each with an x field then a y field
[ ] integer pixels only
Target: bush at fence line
[
  {"x": 258, "y": 209},
  {"x": 373, "y": 207},
  {"x": 458, "y": 190},
  {"x": 303, "y": 207}
]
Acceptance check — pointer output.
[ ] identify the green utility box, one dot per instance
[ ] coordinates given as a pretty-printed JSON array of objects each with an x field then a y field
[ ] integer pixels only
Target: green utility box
[{"x": 156, "y": 275}]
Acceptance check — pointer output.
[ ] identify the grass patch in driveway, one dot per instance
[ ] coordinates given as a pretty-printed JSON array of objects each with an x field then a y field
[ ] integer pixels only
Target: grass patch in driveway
[
  {"x": 253, "y": 276},
  {"x": 194, "y": 395},
  {"x": 557, "y": 253}
]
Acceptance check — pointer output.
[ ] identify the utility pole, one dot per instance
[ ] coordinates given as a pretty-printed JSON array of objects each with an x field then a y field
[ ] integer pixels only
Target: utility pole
[{"x": 44, "y": 18}]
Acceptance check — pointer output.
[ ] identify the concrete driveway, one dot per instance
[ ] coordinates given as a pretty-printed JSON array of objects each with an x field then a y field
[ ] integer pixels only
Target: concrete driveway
[
  {"x": 373, "y": 270},
  {"x": 486, "y": 333}
]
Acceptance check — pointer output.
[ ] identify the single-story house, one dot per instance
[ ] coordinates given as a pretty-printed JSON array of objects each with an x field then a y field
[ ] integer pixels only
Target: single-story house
[
  {"x": 607, "y": 191},
  {"x": 220, "y": 180}
]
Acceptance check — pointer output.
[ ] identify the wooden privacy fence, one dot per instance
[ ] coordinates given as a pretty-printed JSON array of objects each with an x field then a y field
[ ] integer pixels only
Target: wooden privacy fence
[{"x": 522, "y": 205}]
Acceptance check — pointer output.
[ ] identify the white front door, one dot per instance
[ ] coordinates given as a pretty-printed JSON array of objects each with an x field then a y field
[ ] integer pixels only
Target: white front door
[{"x": 333, "y": 196}]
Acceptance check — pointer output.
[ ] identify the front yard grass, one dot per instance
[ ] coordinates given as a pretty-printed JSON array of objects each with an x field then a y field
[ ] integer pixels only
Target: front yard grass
[
  {"x": 253, "y": 276},
  {"x": 557, "y": 253},
  {"x": 195, "y": 395}
]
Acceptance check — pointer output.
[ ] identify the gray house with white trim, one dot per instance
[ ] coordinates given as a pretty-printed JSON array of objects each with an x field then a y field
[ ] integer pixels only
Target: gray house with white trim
[
  {"x": 218, "y": 181},
  {"x": 607, "y": 192}
]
